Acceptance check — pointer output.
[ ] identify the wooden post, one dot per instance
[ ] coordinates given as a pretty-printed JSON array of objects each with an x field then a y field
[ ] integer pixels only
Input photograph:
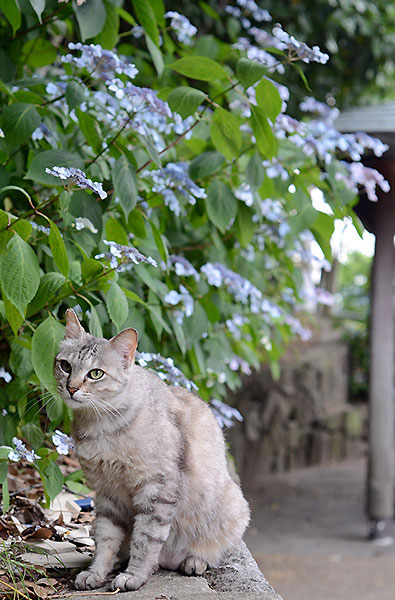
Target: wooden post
[{"x": 381, "y": 464}]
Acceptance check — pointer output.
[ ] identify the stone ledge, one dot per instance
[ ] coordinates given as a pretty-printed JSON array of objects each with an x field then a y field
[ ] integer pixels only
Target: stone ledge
[{"x": 238, "y": 577}]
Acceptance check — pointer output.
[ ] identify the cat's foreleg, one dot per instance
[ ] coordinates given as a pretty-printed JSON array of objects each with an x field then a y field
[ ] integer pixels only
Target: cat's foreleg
[
  {"x": 151, "y": 530},
  {"x": 108, "y": 539}
]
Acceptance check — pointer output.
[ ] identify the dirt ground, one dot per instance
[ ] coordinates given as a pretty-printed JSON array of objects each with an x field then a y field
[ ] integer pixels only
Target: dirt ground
[{"x": 309, "y": 535}]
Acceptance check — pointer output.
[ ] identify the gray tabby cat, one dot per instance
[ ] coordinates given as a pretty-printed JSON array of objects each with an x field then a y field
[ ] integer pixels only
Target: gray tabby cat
[{"x": 155, "y": 456}]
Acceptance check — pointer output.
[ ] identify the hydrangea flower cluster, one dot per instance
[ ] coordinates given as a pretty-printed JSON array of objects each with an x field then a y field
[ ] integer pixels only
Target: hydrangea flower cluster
[
  {"x": 173, "y": 298},
  {"x": 21, "y": 452},
  {"x": 183, "y": 267},
  {"x": 165, "y": 369},
  {"x": 63, "y": 442},
  {"x": 233, "y": 325},
  {"x": 238, "y": 364},
  {"x": 79, "y": 178},
  {"x": 99, "y": 62},
  {"x": 5, "y": 375},
  {"x": 184, "y": 30},
  {"x": 119, "y": 256},
  {"x": 368, "y": 178},
  {"x": 298, "y": 49},
  {"x": 241, "y": 289},
  {"x": 174, "y": 178},
  {"x": 224, "y": 413}
]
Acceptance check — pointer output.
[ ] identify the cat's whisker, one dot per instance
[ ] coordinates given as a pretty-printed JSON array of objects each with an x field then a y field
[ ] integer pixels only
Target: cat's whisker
[{"x": 112, "y": 410}]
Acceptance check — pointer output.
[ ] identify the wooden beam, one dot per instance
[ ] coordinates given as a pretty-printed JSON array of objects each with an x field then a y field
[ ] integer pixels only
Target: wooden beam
[{"x": 381, "y": 463}]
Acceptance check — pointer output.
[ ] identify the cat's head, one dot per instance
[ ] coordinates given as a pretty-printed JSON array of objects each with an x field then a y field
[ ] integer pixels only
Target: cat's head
[{"x": 93, "y": 371}]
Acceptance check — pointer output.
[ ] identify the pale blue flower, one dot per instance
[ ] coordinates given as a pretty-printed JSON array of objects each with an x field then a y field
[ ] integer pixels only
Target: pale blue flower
[
  {"x": 63, "y": 442},
  {"x": 77, "y": 177},
  {"x": 21, "y": 452}
]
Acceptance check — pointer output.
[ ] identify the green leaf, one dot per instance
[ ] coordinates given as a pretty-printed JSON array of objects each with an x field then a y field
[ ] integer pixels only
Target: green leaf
[
  {"x": 146, "y": 17},
  {"x": 116, "y": 233},
  {"x": 125, "y": 184},
  {"x": 117, "y": 305},
  {"x": 39, "y": 52},
  {"x": 185, "y": 100},
  {"x": 322, "y": 229},
  {"x": 38, "y": 7},
  {"x": 45, "y": 344},
  {"x": 49, "y": 285},
  {"x": 265, "y": 139},
  {"x": 4, "y": 486},
  {"x": 225, "y": 133},
  {"x": 136, "y": 224},
  {"x": 221, "y": 204},
  {"x": 59, "y": 253},
  {"x": 249, "y": 71},
  {"x": 133, "y": 296},
  {"x": 10, "y": 10},
  {"x": 74, "y": 94},
  {"x": 268, "y": 99},
  {"x": 19, "y": 273},
  {"x": 108, "y": 36},
  {"x": 94, "y": 323},
  {"x": 90, "y": 268},
  {"x": 196, "y": 324},
  {"x": 255, "y": 172},
  {"x": 199, "y": 67},
  {"x": 4, "y": 452},
  {"x": 160, "y": 244},
  {"x": 33, "y": 434},
  {"x": 52, "y": 158},
  {"x": 245, "y": 227},
  {"x": 52, "y": 480},
  {"x": 14, "y": 317},
  {"x": 91, "y": 17},
  {"x": 205, "y": 164},
  {"x": 180, "y": 335},
  {"x": 84, "y": 205},
  {"x": 18, "y": 122},
  {"x": 156, "y": 56},
  {"x": 90, "y": 129}
]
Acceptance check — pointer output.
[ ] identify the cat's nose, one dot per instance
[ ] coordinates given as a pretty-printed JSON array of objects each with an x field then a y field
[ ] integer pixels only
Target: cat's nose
[{"x": 72, "y": 390}]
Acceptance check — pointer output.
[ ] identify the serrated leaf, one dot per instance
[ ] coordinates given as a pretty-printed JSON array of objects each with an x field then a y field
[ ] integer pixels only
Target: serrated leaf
[
  {"x": 117, "y": 305},
  {"x": 39, "y": 52},
  {"x": 45, "y": 344},
  {"x": 185, "y": 100},
  {"x": 90, "y": 129},
  {"x": 159, "y": 242},
  {"x": 91, "y": 17},
  {"x": 146, "y": 17},
  {"x": 268, "y": 99},
  {"x": 205, "y": 164},
  {"x": 90, "y": 268},
  {"x": 199, "y": 67},
  {"x": 53, "y": 480},
  {"x": 18, "y": 122},
  {"x": 265, "y": 139},
  {"x": 116, "y": 233},
  {"x": 50, "y": 283},
  {"x": 38, "y": 7},
  {"x": 125, "y": 184},
  {"x": 249, "y": 71},
  {"x": 221, "y": 205},
  {"x": 255, "y": 172},
  {"x": 156, "y": 55},
  {"x": 14, "y": 317},
  {"x": 59, "y": 253},
  {"x": 52, "y": 158},
  {"x": 133, "y": 296},
  {"x": 94, "y": 323},
  {"x": 245, "y": 227},
  {"x": 225, "y": 133},
  {"x": 108, "y": 36},
  {"x": 19, "y": 273},
  {"x": 74, "y": 94}
]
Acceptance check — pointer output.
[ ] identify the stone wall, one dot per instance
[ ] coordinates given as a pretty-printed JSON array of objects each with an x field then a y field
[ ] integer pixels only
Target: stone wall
[{"x": 303, "y": 418}]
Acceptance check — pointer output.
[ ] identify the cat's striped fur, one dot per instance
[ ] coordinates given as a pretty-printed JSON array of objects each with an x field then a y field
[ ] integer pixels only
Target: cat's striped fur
[{"x": 155, "y": 456}]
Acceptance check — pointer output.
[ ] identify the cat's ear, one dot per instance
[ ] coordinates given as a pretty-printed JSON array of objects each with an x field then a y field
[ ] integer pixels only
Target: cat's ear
[
  {"x": 74, "y": 328},
  {"x": 125, "y": 343}
]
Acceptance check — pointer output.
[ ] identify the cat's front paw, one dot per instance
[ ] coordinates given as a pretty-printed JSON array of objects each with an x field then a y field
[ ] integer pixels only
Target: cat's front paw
[
  {"x": 128, "y": 581},
  {"x": 192, "y": 565},
  {"x": 88, "y": 580}
]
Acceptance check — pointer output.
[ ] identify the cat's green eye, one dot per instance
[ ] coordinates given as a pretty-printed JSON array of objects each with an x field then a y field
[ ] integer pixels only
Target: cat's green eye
[
  {"x": 65, "y": 366},
  {"x": 95, "y": 374}
]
